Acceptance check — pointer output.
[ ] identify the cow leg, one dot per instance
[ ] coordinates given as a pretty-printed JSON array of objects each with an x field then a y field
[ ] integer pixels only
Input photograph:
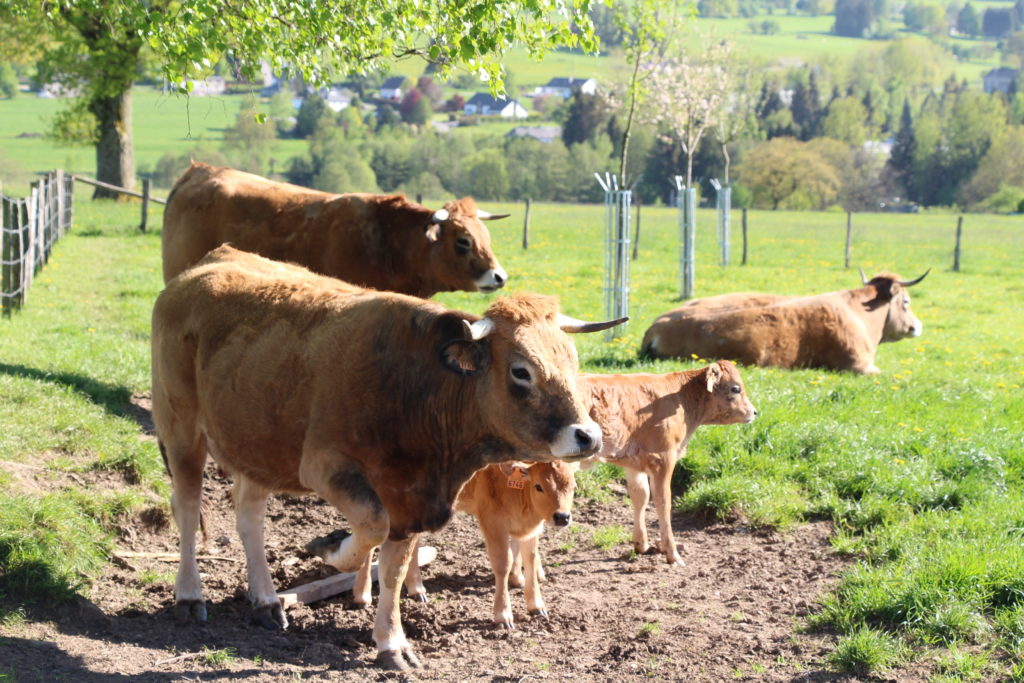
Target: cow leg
[
  {"x": 393, "y": 650},
  {"x": 515, "y": 576},
  {"x": 250, "y": 511},
  {"x": 414, "y": 579},
  {"x": 362, "y": 595},
  {"x": 185, "y": 464},
  {"x": 639, "y": 493},
  {"x": 531, "y": 560},
  {"x": 661, "y": 488},
  {"x": 347, "y": 489},
  {"x": 499, "y": 551}
]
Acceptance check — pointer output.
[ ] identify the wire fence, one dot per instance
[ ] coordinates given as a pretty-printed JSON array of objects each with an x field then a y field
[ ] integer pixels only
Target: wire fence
[{"x": 29, "y": 227}]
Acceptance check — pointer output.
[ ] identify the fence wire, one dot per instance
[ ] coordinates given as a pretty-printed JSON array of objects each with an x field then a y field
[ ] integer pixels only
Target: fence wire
[{"x": 29, "y": 227}]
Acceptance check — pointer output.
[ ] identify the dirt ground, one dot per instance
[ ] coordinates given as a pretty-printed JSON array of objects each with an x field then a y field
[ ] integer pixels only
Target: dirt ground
[{"x": 732, "y": 613}]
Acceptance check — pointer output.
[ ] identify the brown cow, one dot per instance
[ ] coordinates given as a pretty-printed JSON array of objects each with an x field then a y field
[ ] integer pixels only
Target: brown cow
[
  {"x": 511, "y": 501},
  {"x": 381, "y": 403},
  {"x": 646, "y": 422},
  {"x": 380, "y": 241},
  {"x": 839, "y": 330}
]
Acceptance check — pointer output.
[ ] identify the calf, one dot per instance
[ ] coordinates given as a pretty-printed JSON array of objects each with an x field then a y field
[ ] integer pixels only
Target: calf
[{"x": 646, "y": 422}]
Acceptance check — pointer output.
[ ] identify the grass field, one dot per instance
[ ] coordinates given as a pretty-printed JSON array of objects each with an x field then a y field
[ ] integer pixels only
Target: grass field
[{"x": 920, "y": 469}]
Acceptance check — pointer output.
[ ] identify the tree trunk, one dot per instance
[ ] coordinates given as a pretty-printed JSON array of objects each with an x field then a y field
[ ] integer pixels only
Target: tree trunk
[{"x": 115, "y": 161}]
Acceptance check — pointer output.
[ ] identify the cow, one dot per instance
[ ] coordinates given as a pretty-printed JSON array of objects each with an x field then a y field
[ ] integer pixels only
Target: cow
[
  {"x": 381, "y": 403},
  {"x": 381, "y": 241},
  {"x": 511, "y": 502},
  {"x": 838, "y": 330},
  {"x": 647, "y": 421}
]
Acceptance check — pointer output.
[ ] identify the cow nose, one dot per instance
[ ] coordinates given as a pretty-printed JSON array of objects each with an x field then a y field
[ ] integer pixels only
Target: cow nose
[
  {"x": 562, "y": 518},
  {"x": 499, "y": 279},
  {"x": 584, "y": 440}
]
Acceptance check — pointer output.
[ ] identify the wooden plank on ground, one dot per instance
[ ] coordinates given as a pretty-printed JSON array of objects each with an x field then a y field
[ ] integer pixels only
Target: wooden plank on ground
[{"x": 339, "y": 583}]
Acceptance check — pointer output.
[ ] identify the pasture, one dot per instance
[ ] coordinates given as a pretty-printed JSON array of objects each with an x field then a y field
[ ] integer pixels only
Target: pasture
[{"x": 915, "y": 476}]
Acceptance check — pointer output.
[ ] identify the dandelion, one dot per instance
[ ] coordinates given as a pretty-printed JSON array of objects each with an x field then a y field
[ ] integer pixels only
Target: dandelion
[
  {"x": 901, "y": 424},
  {"x": 895, "y": 387},
  {"x": 898, "y": 461},
  {"x": 918, "y": 429}
]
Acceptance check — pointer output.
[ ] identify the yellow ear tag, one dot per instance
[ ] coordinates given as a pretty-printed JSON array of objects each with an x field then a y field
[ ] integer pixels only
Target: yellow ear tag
[{"x": 517, "y": 480}]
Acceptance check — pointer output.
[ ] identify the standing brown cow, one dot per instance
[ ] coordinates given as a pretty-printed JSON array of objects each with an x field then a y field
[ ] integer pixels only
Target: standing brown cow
[
  {"x": 381, "y": 403},
  {"x": 647, "y": 421},
  {"x": 838, "y": 331},
  {"x": 511, "y": 502},
  {"x": 380, "y": 241}
]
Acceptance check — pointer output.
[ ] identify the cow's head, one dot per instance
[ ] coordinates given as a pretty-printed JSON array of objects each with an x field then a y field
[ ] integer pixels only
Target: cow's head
[
  {"x": 549, "y": 487},
  {"x": 525, "y": 368},
  {"x": 460, "y": 252},
  {"x": 727, "y": 400},
  {"x": 891, "y": 291}
]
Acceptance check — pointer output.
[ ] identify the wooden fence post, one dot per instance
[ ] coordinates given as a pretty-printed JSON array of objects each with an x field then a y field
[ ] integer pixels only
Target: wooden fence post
[
  {"x": 145, "y": 204},
  {"x": 526, "y": 224},
  {"x": 5, "y": 255},
  {"x": 636, "y": 233},
  {"x": 744, "y": 238},
  {"x": 419, "y": 197},
  {"x": 956, "y": 250},
  {"x": 849, "y": 230}
]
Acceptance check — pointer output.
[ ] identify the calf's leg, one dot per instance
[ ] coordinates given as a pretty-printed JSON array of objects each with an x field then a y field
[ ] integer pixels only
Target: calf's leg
[
  {"x": 393, "y": 650},
  {"x": 250, "y": 511},
  {"x": 639, "y": 494},
  {"x": 531, "y": 561},
  {"x": 661, "y": 487},
  {"x": 500, "y": 553}
]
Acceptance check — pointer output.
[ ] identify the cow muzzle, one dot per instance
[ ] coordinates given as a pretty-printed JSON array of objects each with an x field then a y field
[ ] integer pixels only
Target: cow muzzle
[
  {"x": 561, "y": 518},
  {"x": 577, "y": 441},
  {"x": 493, "y": 280}
]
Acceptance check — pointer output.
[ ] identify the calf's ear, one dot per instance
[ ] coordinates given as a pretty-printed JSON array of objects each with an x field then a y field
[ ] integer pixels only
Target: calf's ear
[
  {"x": 714, "y": 376},
  {"x": 509, "y": 468}
]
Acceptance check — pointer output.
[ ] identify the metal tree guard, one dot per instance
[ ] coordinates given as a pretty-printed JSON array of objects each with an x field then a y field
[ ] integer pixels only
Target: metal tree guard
[
  {"x": 687, "y": 236},
  {"x": 616, "y": 250},
  {"x": 723, "y": 204}
]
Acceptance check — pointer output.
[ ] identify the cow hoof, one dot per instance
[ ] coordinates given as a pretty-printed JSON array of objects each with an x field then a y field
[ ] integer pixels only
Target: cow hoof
[
  {"x": 542, "y": 613},
  {"x": 676, "y": 561},
  {"x": 271, "y": 617},
  {"x": 188, "y": 610},
  {"x": 398, "y": 660},
  {"x": 419, "y": 597},
  {"x": 507, "y": 625},
  {"x": 320, "y": 547}
]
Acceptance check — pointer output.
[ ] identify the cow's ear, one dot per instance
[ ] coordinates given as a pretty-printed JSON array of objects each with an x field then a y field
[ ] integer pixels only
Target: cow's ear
[
  {"x": 714, "y": 375},
  {"x": 465, "y": 357}
]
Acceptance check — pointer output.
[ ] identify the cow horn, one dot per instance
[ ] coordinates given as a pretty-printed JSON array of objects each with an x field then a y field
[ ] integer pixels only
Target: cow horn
[
  {"x": 911, "y": 283},
  {"x": 478, "y": 330},
  {"x": 488, "y": 216},
  {"x": 439, "y": 215},
  {"x": 573, "y": 325},
  {"x": 863, "y": 278}
]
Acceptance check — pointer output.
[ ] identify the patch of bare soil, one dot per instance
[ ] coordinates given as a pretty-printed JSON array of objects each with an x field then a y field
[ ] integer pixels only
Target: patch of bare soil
[{"x": 729, "y": 614}]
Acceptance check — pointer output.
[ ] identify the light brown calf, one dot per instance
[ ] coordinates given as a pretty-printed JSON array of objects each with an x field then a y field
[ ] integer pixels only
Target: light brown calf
[
  {"x": 646, "y": 422},
  {"x": 511, "y": 502}
]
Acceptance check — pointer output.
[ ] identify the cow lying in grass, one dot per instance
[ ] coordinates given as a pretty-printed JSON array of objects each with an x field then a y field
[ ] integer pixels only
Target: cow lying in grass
[{"x": 646, "y": 422}]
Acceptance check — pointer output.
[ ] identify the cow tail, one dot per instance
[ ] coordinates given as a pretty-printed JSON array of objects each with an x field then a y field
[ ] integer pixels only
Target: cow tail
[{"x": 202, "y": 503}]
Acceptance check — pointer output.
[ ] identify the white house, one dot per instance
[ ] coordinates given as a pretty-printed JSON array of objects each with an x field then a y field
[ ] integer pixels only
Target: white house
[
  {"x": 1000, "y": 79},
  {"x": 392, "y": 88},
  {"x": 485, "y": 104},
  {"x": 565, "y": 87}
]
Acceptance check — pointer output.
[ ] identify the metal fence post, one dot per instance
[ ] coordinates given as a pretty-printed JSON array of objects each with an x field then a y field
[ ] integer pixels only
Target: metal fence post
[
  {"x": 616, "y": 254},
  {"x": 687, "y": 236}
]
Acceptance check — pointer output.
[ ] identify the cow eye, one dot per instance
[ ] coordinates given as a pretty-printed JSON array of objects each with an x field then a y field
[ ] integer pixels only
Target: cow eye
[
  {"x": 521, "y": 375},
  {"x": 736, "y": 389},
  {"x": 539, "y": 488},
  {"x": 462, "y": 245}
]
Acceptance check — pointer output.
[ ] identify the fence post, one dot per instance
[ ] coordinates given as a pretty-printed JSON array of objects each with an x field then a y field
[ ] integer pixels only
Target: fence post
[
  {"x": 526, "y": 224},
  {"x": 956, "y": 250},
  {"x": 616, "y": 254},
  {"x": 636, "y": 233},
  {"x": 145, "y": 204},
  {"x": 6, "y": 258},
  {"x": 419, "y": 197},
  {"x": 744, "y": 237},
  {"x": 849, "y": 229},
  {"x": 687, "y": 236}
]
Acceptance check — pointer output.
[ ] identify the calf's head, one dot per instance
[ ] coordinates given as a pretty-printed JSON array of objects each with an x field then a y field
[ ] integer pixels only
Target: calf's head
[
  {"x": 548, "y": 487},
  {"x": 525, "y": 367},
  {"x": 727, "y": 400},
  {"x": 460, "y": 252},
  {"x": 891, "y": 291}
]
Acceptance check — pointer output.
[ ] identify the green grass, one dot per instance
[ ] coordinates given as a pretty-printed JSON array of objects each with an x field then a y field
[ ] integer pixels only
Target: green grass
[
  {"x": 607, "y": 537},
  {"x": 920, "y": 469}
]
